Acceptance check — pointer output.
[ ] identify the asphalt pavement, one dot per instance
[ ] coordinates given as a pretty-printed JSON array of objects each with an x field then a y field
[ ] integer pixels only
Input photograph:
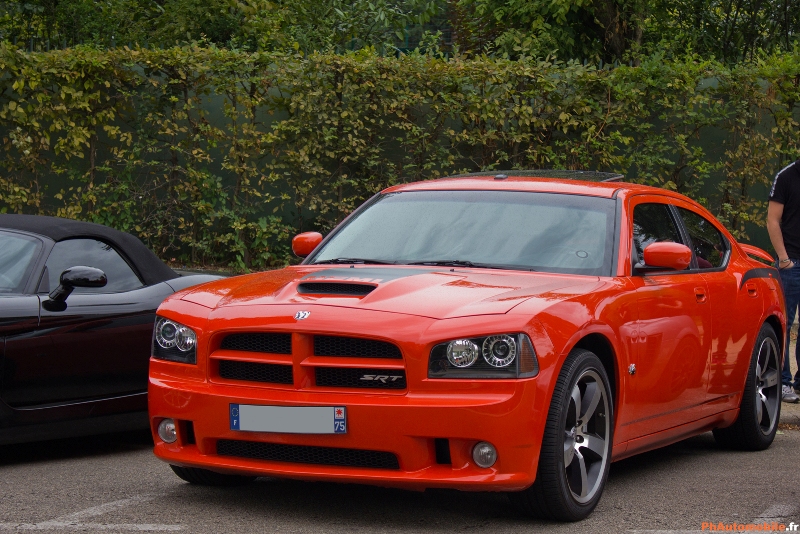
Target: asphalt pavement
[{"x": 115, "y": 484}]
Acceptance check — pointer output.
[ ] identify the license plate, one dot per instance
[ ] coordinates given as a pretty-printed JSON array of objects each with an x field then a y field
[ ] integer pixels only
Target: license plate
[{"x": 289, "y": 419}]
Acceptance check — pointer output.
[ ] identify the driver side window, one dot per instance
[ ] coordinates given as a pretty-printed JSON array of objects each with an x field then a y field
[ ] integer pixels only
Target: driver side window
[
  {"x": 653, "y": 223},
  {"x": 91, "y": 253}
]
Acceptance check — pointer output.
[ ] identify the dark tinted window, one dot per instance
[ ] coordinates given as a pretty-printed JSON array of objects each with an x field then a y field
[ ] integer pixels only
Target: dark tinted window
[
  {"x": 91, "y": 253},
  {"x": 507, "y": 229},
  {"x": 17, "y": 255},
  {"x": 708, "y": 244},
  {"x": 653, "y": 223}
]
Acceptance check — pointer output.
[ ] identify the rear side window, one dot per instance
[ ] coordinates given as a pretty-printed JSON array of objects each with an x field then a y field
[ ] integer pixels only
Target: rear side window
[
  {"x": 17, "y": 255},
  {"x": 653, "y": 223},
  {"x": 709, "y": 246},
  {"x": 91, "y": 253}
]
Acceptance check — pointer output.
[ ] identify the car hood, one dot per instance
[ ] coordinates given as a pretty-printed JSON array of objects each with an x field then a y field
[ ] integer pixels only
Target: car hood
[{"x": 439, "y": 293}]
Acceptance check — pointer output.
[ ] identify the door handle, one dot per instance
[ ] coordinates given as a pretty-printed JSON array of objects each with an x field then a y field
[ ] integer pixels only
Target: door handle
[
  {"x": 751, "y": 289},
  {"x": 700, "y": 294}
]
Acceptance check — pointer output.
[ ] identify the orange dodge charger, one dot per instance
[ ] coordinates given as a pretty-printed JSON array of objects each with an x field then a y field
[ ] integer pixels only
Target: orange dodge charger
[{"x": 511, "y": 332}]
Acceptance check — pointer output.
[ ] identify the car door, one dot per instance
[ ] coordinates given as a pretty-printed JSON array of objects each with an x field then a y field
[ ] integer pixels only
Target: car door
[
  {"x": 19, "y": 321},
  {"x": 20, "y": 265},
  {"x": 99, "y": 346},
  {"x": 673, "y": 329},
  {"x": 736, "y": 307}
]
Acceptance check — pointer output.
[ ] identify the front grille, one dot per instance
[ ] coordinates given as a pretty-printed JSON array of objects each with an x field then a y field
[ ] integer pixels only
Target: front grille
[
  {"x": 306, "y": 454},
  {"x": 256, "y": 372},
  {"x": 266, "y": 342},
  {"x": 340, "y": 377},
  {"x": 331, "y": 288},
  {"x": 354, "y": 347}
]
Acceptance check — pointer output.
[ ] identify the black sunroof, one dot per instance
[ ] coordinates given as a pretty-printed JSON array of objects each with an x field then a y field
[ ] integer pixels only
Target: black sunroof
[{"x": 589, "y": 176}]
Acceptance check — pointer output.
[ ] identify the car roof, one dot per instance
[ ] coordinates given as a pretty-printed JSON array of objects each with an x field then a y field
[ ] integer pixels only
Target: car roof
[
  {"x": 534, "y": 182},
  {"x": 147, "y": 265}
]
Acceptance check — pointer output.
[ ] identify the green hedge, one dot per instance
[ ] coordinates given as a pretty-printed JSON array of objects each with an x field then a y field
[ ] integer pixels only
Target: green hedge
[{"x": 218, "y": 157}]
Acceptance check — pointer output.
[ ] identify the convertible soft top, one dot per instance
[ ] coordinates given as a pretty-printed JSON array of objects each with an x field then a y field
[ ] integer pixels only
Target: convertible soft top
[{"x": 144, "y": 262}]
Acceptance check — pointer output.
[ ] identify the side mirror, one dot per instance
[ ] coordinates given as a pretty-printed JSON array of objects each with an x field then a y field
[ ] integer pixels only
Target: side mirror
[
  {"x": 665, "y": 256},
  {"x": 78, "y": 276},
  {"x": 305, "y": 243}
]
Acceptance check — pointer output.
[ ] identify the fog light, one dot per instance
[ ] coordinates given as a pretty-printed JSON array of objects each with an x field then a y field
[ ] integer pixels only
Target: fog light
[
  {"x": 484, "y": 454},
  {"x": 168, "y": 433}
]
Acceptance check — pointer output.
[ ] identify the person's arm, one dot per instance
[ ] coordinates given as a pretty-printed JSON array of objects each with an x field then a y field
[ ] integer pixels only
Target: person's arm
[{"x": 774, "y": 214}]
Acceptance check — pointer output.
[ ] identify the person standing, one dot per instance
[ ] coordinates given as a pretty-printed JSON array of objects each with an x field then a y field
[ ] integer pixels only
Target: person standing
[{"x": 783, "y": 225}]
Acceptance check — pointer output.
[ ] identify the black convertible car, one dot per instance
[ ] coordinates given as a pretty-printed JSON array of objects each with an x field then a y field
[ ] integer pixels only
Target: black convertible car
[{"x": 77, "y": 306}]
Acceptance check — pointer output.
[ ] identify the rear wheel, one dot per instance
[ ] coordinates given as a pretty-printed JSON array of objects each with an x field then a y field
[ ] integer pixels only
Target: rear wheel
[
  {"x": 576, "y": 446},
  {"x": 760, "y": 410},
  {"x": 204, "y": 477}
]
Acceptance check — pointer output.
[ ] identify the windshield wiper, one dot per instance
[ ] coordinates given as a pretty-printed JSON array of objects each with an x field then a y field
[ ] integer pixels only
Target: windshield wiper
[
  {"x": 354, "y": 260},
  {"x": 458, "y": 263}
]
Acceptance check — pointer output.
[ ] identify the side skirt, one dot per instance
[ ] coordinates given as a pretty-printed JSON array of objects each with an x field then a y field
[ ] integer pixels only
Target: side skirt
[{"x": 673, "y": 435}]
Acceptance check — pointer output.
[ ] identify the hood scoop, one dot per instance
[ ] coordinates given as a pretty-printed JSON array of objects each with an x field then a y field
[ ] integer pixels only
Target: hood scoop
[{"x": 335, "y": 288}]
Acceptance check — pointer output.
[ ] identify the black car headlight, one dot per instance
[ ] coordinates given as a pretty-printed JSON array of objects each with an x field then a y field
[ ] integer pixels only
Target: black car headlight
[
  {"x": 174, "y": 342},
  {"x": 499, "y": 356}
]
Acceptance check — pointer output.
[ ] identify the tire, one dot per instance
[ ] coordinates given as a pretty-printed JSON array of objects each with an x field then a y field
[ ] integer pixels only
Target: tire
[
  {"x": 760, "y": 409},
  {"x": 204, "y": 477},
  {"x": 575, "y": 458}
]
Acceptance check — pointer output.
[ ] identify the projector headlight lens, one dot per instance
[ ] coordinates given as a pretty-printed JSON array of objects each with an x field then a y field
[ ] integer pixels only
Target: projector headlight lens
[
  {"x": 166, "y": 332},
  {"x": 499, "y": 351}
]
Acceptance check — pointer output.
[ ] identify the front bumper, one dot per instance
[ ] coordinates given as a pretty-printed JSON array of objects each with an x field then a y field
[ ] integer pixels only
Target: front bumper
[{"x": 509, "y": 414}]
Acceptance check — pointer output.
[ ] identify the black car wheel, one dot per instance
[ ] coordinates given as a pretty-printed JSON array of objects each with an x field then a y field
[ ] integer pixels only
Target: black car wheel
[
  {"x": 576, "y": 447},
  {"x": 760, "y": 409},
  {"x": 204, "y": 477}
]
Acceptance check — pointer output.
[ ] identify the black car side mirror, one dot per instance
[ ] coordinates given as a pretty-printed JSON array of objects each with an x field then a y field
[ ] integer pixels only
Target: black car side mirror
[{"x": 78, "y": 276}]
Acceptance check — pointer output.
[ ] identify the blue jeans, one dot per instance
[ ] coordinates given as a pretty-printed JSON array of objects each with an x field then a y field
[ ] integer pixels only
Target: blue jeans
[{"x": 790, "y": 280}]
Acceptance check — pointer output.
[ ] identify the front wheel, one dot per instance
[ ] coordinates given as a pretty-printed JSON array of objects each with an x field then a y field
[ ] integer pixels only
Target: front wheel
[
  {"x": 576, "y": 446},
  {"x": 760, "y": 408}
]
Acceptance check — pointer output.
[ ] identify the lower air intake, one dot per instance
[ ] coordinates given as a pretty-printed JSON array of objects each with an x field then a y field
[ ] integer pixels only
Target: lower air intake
[{"x": 306, "y": 454}]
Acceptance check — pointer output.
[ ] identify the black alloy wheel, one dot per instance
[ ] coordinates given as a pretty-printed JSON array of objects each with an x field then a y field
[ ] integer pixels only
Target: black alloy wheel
[{"x": 576, "y": 448}]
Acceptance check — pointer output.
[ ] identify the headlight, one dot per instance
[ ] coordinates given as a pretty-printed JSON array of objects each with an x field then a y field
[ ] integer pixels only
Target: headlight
[
  {"x": 499, "y": 356},
  {"x": 174, "y": 342},
  {"x": 462, "y": 353}
]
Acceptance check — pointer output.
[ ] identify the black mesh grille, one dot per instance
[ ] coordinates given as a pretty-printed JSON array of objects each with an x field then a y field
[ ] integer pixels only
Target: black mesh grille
[
  {"x": 256, "y": 372},
  {"x": 272, "y": 343},
  {"x": 305, "y": 454},
  {"x": 355, "y": 347},
  {"x": 340, "y": 377},
  {"x": 330, "y": 288}
]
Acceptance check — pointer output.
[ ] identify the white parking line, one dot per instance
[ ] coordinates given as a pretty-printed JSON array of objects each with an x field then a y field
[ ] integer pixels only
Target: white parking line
[
  {"x": 55, "y": 525},
  {"x": 73, "y": 521},
  {"x": 778, "y": 511},
  {"x": 103, "y": 508}
]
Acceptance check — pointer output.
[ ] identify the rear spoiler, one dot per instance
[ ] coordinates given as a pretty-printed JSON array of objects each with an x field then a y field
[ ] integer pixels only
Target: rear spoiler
[{"x": 758, "y": 253}]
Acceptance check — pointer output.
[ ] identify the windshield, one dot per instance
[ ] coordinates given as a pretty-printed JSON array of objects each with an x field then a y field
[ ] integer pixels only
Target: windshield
[
  {"x": 17, "y": 254},
  {"x": 497, "y": 229}
]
